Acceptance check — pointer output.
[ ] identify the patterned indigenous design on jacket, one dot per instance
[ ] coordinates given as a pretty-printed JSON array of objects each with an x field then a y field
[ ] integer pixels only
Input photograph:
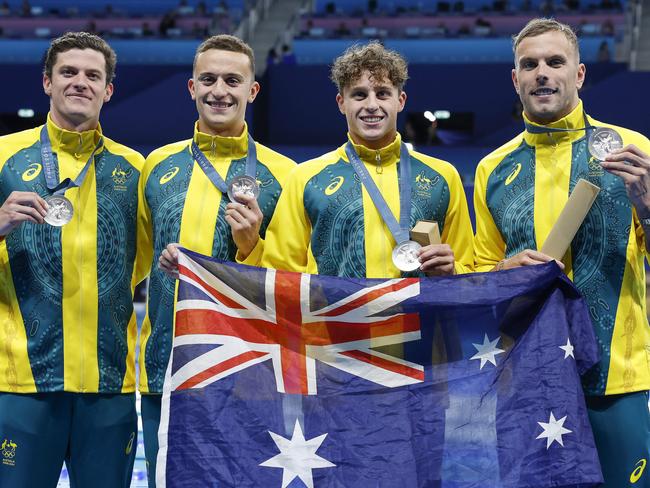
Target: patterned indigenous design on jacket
[
  {"x": 516, "y": 188},
  {"x": 170, "y": 172},
  {"x": 70, "y": 287},
  {"x": 334, "y": 204}
]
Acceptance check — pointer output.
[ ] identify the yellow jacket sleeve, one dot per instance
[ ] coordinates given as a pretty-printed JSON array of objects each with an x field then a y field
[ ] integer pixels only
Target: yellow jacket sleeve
[
  {"x": 458, "y": 227},
  {"x": 144, "y": 229},
  {"x": 288, "y": 235},
  {"x": 489, "y": 246}
]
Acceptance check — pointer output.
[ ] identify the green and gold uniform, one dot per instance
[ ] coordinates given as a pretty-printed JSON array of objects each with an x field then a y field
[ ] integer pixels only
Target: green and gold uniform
[
  {"x": 180, "y": 204},
  {"x": 519, "y": 192},
  {"x": 326, "y": 223},
  {"x": 67, "y": 324}
]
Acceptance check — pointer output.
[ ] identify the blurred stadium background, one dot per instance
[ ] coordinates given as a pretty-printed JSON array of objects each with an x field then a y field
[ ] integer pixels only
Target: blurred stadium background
[{"x": 461, "y": 103}]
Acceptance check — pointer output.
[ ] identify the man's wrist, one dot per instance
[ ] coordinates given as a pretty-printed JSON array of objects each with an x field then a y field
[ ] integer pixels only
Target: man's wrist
[{"x": 244, "y": 251}]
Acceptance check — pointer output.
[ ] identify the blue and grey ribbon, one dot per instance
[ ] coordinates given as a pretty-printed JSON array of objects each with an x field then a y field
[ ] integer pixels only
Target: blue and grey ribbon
[
  {"x": 211, "y": 173},
  {"x": 50, "y": 163},
  {"x": 399, "y": 230}
]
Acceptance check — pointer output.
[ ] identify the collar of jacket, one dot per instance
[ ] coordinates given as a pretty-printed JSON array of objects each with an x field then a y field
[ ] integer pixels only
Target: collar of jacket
[
  {"x": 220, "y": 146},
  {"x": 574, "y": 120},
  {"x": 384, "y": 156},
  {"x": 79, "y": 144}
]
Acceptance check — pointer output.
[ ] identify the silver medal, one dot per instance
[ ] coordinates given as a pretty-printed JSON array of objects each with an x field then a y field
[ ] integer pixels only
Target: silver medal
[
  {"x": 246, "y": 185},
  {"x": 59, "y": 211},
  {"x": 602, "y": 141},
  {"x": 405, "y": 256}
]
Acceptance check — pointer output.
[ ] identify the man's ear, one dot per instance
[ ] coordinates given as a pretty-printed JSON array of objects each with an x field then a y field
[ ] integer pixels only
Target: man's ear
[
  {"x": 340, "y": 101},
  {"x": 515, "y": 82},
  {"x": 47, "y": 85},
  {"x": 190, "y": 87},
  {"x": 255, "y": 89}
]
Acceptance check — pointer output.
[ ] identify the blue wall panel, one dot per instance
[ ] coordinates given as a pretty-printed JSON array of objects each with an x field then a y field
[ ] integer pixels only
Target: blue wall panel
[{"x": 465, "y": 50}]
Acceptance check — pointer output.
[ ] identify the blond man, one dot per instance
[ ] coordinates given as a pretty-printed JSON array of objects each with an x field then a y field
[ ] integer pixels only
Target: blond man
[{"x": 520, "y": 191}]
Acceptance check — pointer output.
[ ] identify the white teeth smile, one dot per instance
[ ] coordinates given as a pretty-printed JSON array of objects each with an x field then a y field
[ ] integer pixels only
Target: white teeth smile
[
  {"x": 219, "y": 104},
  {"x": 544, "y": 91},
  {"x": 371, "y": 119}
]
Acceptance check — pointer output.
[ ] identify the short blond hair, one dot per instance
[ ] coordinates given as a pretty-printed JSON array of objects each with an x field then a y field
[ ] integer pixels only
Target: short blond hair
[
  {"x": 537, "y": 27},
  {"x": 226, "y": 42},
  {"x": 373, "y": 57}
]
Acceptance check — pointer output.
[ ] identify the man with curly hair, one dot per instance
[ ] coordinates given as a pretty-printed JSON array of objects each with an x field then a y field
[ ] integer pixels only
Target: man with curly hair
[{"x": 349, "y": 212}]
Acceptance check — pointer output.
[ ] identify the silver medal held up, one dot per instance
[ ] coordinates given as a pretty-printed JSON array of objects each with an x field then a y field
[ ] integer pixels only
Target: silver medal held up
[
  {"x": 59, "y": 210},
  {"x": 245, "y": 185},
  {"x": 603, "y": 141},
  {"x": 405, "y": 256}
]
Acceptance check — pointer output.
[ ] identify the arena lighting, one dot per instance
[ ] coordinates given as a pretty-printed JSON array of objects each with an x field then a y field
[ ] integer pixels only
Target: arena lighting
[
  {"x": 442, "y": 114},
  {"x": 25, "y": 113},
  {"x": 429, "y": 116}
]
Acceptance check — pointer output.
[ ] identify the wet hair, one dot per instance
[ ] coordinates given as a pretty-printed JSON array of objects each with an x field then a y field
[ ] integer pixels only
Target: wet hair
[
  {"x": 373, "y": 57},
  {"x": 80, "y": 40},
  {"x": 226, "y": 42},
  {"x": 537, "y": 27}
]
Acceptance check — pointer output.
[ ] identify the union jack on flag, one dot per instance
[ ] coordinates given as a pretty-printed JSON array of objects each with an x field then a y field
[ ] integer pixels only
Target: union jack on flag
[
  {"x": 283, "y": 317},
  {"x": 288, "y": 380}
]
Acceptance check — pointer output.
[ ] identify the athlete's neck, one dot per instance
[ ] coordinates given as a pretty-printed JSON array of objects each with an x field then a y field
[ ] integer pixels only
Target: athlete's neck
[
  {"x": 235, "y": 131},
  {"x": 73, "y": 125}
]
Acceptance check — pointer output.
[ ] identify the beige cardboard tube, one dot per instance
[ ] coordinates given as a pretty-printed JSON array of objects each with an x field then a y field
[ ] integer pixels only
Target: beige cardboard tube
[{"x": 573, "y": 214}]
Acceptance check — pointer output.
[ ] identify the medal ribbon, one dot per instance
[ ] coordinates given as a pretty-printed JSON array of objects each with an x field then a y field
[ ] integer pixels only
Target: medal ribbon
[
  {"x": 399, "y": 230},
  {"x": 211, "y": 173},
  {"x": 50, "y": 163},
  {"x": 540, "y": 129}
]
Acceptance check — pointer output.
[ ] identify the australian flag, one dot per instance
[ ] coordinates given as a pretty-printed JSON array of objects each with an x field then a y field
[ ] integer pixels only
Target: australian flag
[{"x": 281, "y": 379}]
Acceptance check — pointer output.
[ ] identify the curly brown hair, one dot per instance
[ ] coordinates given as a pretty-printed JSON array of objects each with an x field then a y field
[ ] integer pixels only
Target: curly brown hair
[
  {"x": 80, "y": 40},
  {"x": 226, "y": 42},
  {"x": 537, "y": 27},
  {"x": 373, "y": 57}
]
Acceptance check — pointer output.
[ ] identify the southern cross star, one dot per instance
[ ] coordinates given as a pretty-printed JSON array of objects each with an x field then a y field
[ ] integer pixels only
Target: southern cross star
[
  {"x": 553, "y": 431},
  {"x": 297, "y": 457},
  {"x": 568, "y": 349},
  {"x": 487, "y": 351}
]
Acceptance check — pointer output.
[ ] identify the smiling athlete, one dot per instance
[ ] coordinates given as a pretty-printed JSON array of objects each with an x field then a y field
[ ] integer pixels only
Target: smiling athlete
[
  {"x": 520, "y": 190},
  {"x": 186, "y": 201},
  {"x": 67, "y": 249},
  {"x": 330, "y": 218}
]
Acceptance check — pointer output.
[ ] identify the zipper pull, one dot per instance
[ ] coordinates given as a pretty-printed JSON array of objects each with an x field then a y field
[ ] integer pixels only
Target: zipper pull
[
  {"x": 77, "y": 153},
  {"x": 378, "y": 167},
  {"x": 213, "y": 148}
]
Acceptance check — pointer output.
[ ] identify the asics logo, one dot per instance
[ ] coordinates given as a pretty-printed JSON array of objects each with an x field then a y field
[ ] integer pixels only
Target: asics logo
[
  {"x": 334, "y": 186},
  {"x": 129, "y": 446},
  {"x": 638, "y": 471},
  {"x": 32, "y": 171},
  {"x": 511, "y": 177},
  {"x": 169, "y": 175}
]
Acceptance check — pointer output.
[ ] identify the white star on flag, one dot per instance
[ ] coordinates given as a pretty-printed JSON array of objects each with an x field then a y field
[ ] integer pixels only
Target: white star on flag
[
  {"x": 553, "y": 431},
  {"x": 487, "y": 351},
  {"x": 297, "y": 457},
  {"x": 568, "y": 349}
]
